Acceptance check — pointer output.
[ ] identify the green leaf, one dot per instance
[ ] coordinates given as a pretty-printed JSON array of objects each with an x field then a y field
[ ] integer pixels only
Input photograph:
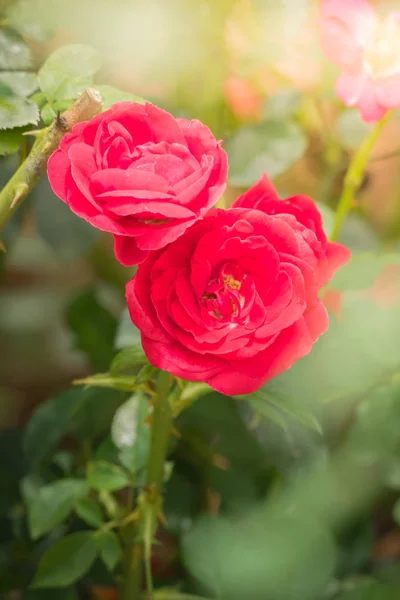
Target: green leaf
[
  {"x": 125, "y": 425},
  {"x": 69, "y": 236},
  {"x": 48, "y": 424},
  {"x": 91, "y": 414},
  {"x": 111, "y": 95},
  {"x": 6, "y": 91},
  {"x": 265, "y": 398},
  {"x": 102, "y": 475},
  {"x": 11, "y": 140},
  {"x": 351, "y": 130},
  {"x": 47, "y": 114},
  {"x": 30, "y": 486},
  {"x": 89, "y": 511},
  {"x": 131, "y": 434},
  {"x": 127, "y": 359},
  {"x": 82, "y": 413},
  {"x": 94, "y": 328},
  {"x": 67, "y": 561},
  {"x": 68, "y": 71},
  {"x": 14, "y": 53},
  {"x": 39, "y": 98},
  {"x": 272, "y": 147},
  {"x": 21, "y": 83},
  {"x": 363, "y": 269},
  {"x": 107, "y": 450},
  {"x": 64, "y": 460},
  {"x": 53, "y": 504},
  {"x": 146, "y": 373},
  {"x": 110, "y": 549},
  {"x": 17, "y": 112}
]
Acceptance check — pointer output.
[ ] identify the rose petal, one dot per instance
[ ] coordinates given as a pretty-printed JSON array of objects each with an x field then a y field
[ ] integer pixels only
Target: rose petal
[
  {"x": 180, "y": 361},
  {"x": 57, "y": 169},
  {"x": 127, "y": 251},
  {"x": 255, "y": 197},
  {"x": 345, "y": 28},
  {"x": 140, "y": 306},
  {"x": 350, "y": 87},
  {"x": 387, "y": 90},
  {"x": 127, "y": 203},
  {"x": 163, "y": 125},
  {"x": 109, "y": 180}
]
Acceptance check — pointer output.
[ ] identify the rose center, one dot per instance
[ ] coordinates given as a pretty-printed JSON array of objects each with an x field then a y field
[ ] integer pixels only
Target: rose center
[
  {"x": 230, "y": 282},
  {"x": 222, "y": 298},
  {"x": 382, "y": 53}
]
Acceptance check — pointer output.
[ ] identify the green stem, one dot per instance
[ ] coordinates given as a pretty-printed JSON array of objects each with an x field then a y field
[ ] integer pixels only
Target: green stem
[
  {"x": 161, "y": 431},
  {"x": 28, "y": 174},
  {"x": 131, "y": 588},
  {"x": 132, "y": 584},
  {"x": 150, "y": 501},
  {"x": 152, "y": 507},
  {"x": 355, "y": 175}
]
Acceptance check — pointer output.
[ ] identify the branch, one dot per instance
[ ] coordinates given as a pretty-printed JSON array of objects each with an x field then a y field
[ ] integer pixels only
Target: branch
[
  {"x": 47, "y": 141},
  {"x": 355, "y": 175},
  {"x": 150, "y": 501}
]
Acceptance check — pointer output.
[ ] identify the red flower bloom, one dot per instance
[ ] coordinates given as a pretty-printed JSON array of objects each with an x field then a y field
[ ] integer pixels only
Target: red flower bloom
[
  {"x": 234, "y": 301},
  {"x": 139, "y": 173}
]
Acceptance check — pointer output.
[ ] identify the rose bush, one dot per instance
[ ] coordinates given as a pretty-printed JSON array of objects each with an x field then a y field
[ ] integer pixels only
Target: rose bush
[
  {"x": 139, "y": 173},
  {"x": 234, "y": 301}
]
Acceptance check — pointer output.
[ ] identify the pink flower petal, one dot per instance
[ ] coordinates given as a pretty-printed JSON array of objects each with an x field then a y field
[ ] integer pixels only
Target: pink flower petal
[
  {"x": 345, "y": 27},
  {"x": 370, "y": 108},
  {"x": 127, "y": 251},
  {"x": 258, "y": 196},
  {"x": 129, "y": 179},
  {"x": 350, "y": 87},
  {"x": 387, "y": 90}
]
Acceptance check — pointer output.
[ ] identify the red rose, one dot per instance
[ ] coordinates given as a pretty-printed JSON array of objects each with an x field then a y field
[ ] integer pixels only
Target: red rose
[
  {"x": 234, "y": 301},
  {"x": 141, "y": 174}
]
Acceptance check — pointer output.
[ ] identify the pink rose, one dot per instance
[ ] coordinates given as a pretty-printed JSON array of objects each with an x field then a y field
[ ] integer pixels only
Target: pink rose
[
  {"x": 367, "y": 48},
  {"x": 141, "y": 174},
  {"x": 234, "y": 301}
]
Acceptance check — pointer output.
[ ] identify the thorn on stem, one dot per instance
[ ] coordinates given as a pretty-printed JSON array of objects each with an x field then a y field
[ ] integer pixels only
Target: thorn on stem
[
  {"x": 20, "y": 191},
  {"x": 61, "y": 122},
  {"x": 33, "y": 132}
]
